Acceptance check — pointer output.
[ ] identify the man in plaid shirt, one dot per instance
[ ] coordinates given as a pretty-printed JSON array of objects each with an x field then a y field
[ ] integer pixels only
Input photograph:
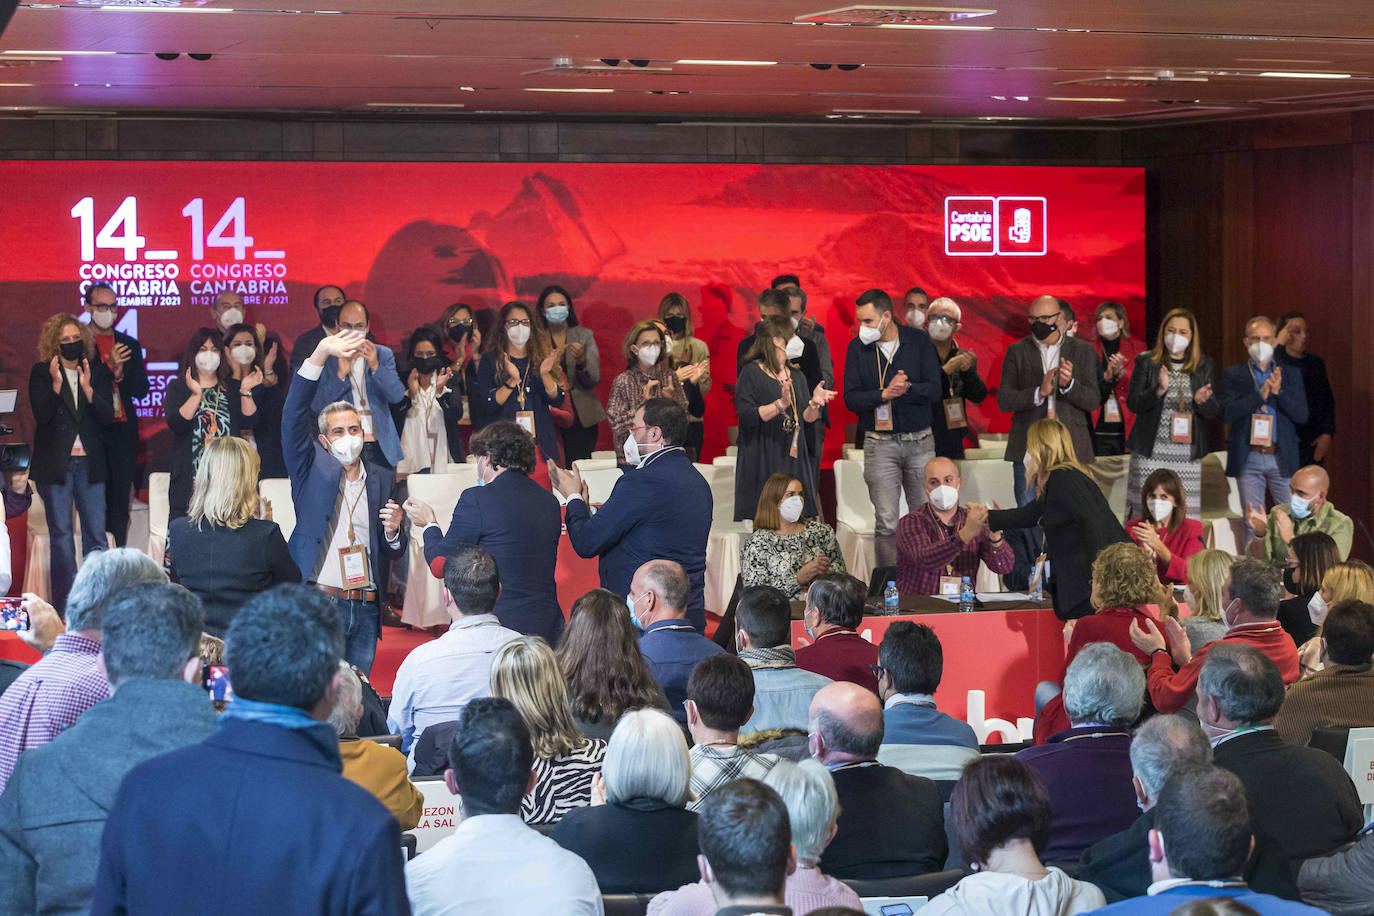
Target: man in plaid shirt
[
  {"x": 69, "y": 679},
  {"x": 942, "y": 539},
  {"x": 720, "y": 699}
]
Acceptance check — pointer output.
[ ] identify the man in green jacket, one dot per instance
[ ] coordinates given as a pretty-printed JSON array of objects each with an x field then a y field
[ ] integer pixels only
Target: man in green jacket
[{"x": 1307, "y": 510}]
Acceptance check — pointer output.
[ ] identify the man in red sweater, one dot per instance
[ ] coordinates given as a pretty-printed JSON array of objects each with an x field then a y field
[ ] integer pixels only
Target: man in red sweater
[
  {"x": 834, "y": 611},
  {"x": 1252, "y": 595}
]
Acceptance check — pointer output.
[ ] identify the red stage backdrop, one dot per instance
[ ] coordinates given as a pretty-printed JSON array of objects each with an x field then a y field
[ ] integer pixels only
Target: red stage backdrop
[{"x": 409, "y": 239}]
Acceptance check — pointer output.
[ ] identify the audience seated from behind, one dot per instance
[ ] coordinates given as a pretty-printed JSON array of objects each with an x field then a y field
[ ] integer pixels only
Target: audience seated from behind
[
  {"x": 54, "y": 807},
  {"x": 1308, "y": 509},
  {"x": 526, "y": 672},
  {"x": 834, "y": 610},
  {"x": 941, "y": 540},
  {"x": 637, "y": 835},
  {"x": 493, "y": 864},
  {"x": 606, "y": 673},
  {"x": 1300, "y": 796},
  {"x": 1208, "y": 571},
  {"x": 1343, "y": 882},
  {"x": 917, "y": 737},
  {"x": 808, "y": 791},
  {"x": 1164, "y": 528},
  {"x": 1087, "y": 769},
  {"x": 379, "y": 769},
  {"x": 267, "y": 780},
  {"x": 671, "y": 645},
  {"x": 1000, "y": 815},
  {"x": 891, "y": 824},
  {"x": 1250, "y": 605},
  {"x": 221, "y": 550},
  {"x": 720, "y": 698},
  {"x": 746, "y": 850},
  {"x": 1341, "y": 695},
  {"x": 784, "y": 550},
  {"x": 1352, "y": 580},
  {"x": 1198, "y": 845},
  {"x": 1309, "y": 557},
  {"x": 438, "y": 678},
  {"x": 1120, "y": 864},
  {"x": 49, "y": 695},
  {"x": 782, "y": 690}
]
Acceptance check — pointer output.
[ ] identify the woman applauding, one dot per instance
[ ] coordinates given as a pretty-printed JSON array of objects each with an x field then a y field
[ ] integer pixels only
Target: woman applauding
[{"x": 785, "y": 549}]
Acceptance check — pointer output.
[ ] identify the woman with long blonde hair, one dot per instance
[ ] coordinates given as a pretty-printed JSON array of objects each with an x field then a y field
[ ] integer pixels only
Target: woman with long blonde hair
[
  {"x": 221, "y": 550},
  {"x": 1070, "y": 509},
  {"x": 1352, "y": 580},
  {"x": 526, "y": 672}
]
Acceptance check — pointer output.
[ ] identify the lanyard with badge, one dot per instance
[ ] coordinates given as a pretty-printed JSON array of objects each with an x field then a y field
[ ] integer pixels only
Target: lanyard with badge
[
  {"x": 353, "y": 558},
  {"x": 1181, "y": 421},
  {"x": 1262, "y": 420},
  {"x": 524, "y": 418},
  {"x": 791, "y": 423},
  {"x": 359, "y": 384},
  {"x": 882, "y": 414},
  {"x": 955, "y": 418}
]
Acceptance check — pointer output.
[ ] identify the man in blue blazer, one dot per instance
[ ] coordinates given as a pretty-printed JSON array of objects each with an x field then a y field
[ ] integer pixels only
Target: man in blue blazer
[
  {"x": 258, "y": 817},
  {"x": 512, "y": 518},
  {"x": 660, "y": 511},
  {"x": 1264, "y": 406},
  {"x": 369, "y": 382},
  {"x": 347, "y": 525}
]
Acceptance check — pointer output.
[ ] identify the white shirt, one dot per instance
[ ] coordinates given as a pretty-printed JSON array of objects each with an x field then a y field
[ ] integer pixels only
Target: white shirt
[
  {"x": 1049, "y": 357},
  {"x": 74, "y": 383},
  {"x": 425, "y": 420},
  {"x": 352, "y": 505},
  {"x": 889, "y": 347},
  {"x": 357, "y": 381},
  {"x": 496, "y": 865},
  {"x": 438, "y": 678}
]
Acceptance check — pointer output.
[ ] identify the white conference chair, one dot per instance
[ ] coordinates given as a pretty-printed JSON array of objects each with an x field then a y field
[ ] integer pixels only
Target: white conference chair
[
  {"x": 277, "y": 491},
  {"x": 1359, "y": 763},
  {"x": 600, "y": 481},
  {"x": 1223, "y": 522},
  {"x": 159, "y": 508},
  {"x": 1110, "y": 474},
  {"x": 606, "y": 455},
  {"x": 423, "y": 605},
  {"x": 854, "y": 521},
  {"x": 726, "y": 538},
  {"x": 583, "y": 465}
]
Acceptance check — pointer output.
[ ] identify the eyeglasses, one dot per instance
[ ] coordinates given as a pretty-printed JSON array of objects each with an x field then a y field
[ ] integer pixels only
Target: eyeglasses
[
  {"x": 1044, "y": 319},
  {"x": 945, "y": 318},
  {"x": 517, "y": 322},
  {"x": 876, "y": 670}
]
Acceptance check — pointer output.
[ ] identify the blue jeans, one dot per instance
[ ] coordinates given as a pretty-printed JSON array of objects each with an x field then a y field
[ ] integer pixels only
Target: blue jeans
[
  {"x": 362, "y": 621},
  {"x": 58, "y": 500},
  {"x": 893, "y": 463},
  {"x": 1018, "y": 481},
  {"x": 1261, "y": 473}
]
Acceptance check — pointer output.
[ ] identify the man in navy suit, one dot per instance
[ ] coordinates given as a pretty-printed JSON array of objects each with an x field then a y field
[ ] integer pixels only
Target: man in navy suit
[
  {"x": 1263, "y": 405},
  {"x": 659, "y": 511},
  {"x": 512, "y": 518},
  {"x": 258, "y": 817},
  {"x": 347, "y": 526},
  {"x": 369, "y": 382}
]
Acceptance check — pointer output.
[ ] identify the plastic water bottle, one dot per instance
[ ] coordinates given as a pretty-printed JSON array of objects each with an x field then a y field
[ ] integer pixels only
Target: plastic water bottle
[
  {"x": 966, "y": 595},
  {"x": 890, "y": 598}
]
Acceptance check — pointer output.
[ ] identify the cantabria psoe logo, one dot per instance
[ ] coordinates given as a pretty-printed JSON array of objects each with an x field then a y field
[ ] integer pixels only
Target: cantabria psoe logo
[{"x": 1014, "y": 226}]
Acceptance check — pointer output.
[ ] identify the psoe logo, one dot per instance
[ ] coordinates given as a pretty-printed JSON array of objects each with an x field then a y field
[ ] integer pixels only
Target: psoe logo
[{"x": 995, "y": 226}]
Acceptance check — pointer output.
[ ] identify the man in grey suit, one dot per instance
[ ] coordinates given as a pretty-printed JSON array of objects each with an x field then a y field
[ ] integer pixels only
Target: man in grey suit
[
  {"x": 1048, "y": 374},
  {"x": 53, "y": 809}
]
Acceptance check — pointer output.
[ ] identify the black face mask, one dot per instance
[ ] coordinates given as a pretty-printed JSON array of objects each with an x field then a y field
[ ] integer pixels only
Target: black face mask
[
  {"x": 457, "y": 332},
  {"x": 1042, "y": 330},
  {"x": 73, "y": 351},
  {"x": 329, "y": 315},
  {"x": 1290, "y": 581},
  {"x": 676, "y": 323},
  {"x": 426, "y": 364}
]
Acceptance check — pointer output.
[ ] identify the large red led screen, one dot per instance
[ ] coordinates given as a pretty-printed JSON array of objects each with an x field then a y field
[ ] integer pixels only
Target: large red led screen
[{"x": 409, "y": 239}]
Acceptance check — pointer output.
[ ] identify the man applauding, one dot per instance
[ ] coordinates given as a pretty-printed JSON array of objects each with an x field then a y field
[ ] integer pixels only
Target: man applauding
[{"x": 941, "y": 542}]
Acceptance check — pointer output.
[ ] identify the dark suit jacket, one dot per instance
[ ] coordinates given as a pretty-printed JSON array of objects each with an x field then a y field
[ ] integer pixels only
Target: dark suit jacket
[
  {"x": 661, "y": 511},
  {"x": 315, "y": 479},
  {"x": 1022, "y": 375},
  {"x": 1149, "y": 407},
  {"x": 640, "y": 846},
  {"x": 516, "y": 521},
  {"x": 1300, "y": 796},
  {"x": 135, "y": 382},
  {"x": 1089, "y": 781},
  {"x": 255, "y": 819},
  {"x": 1120, "y": 864},
  {"x": 303, "y": 347},
  {"x": 863, "y": 389},
  {"x": 1077, "y": 523},
  {"x": 891, "y": 824},
  {"x": 225, "y": 567},
  {"x": 1240, "y": 398},
  {"x": 57, "y": 423}
]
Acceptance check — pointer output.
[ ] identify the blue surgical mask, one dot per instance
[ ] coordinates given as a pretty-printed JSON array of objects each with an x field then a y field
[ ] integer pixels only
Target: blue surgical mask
[
  {"x": 630, "y": 603},
  {"x": 556, "y": 314},
  {"x": 1301, "y": 507}
]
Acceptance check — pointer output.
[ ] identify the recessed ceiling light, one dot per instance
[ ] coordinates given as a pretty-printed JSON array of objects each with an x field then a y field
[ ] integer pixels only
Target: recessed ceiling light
[
  {"x": 466, "y": 89},
  {"x": 415, "y": 105},
  {"x": 164, "y": 9},
  {"x": 940, "y": 28},
  {"x": 879, "y": 14},
  {"x": 64, "y": 53},
  {"x": 1295, "y": 75},
  {"x": 1065, "y": 98},
  {"x": 14, "y": 85},
  {"x": 879, "y": 111},
  {"x": 729, "y": 63},
  {"x": 578, "y": 89}
]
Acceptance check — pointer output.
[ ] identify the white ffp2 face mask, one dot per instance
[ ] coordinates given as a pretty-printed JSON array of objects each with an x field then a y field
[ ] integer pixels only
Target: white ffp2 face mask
[
  {"x": 648, "y": 355},
  {"x": 1261, "y": 352},
  {"x": 944, "y": 497},
  {"x": 1107, "y": 328},
  {"x": 230, "y": 317},
  {"x": 243, "y": 354},
  {"x": 1176, "y": 343},
  {"x": 1160, "y": 509},
  {"x": 791, "y": 508},
  {"x": 103, "y": 318},
  {"x": 207, "y": 360},
  {"x": 346, "y": 449},
  {"x": 518, "y": 335},
  {"x": 1317, "y": 608},
  {"x": 795, "y": 348},
  {"x": 915, "y": 318},
  {"x": 869, "y": 335},
  {"x": 631, "y": 448}
]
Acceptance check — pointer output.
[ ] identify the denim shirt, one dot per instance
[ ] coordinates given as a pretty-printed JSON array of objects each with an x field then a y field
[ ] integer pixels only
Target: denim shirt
[{"x": 782, "y": 698}]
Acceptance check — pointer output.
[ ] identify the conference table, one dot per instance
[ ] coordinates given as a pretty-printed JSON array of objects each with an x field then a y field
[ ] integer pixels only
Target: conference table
[{"x": 993, "y": 656}]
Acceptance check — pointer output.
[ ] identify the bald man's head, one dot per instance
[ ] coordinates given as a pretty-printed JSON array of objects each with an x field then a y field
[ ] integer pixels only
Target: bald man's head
[
  {"x": 846, "y": 723},
  {"x": 1046, "y": 319},
  {"x": 941, "y": 472},
  {"x": 353, "y": 316},
  {"x": 1311, "y": 483}
]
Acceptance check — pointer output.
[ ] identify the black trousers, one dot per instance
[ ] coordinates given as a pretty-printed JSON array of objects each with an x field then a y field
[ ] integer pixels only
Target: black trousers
[
  {"x": 121, "y": 468},
  {"x": 579, "y": 441}
]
